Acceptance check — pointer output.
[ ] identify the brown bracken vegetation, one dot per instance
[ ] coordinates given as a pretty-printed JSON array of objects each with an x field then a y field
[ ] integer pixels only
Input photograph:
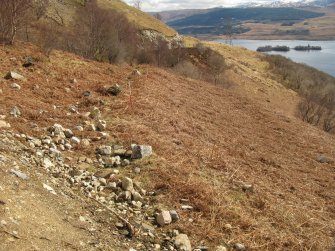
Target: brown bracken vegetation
[{"x": 209, "y": 141}]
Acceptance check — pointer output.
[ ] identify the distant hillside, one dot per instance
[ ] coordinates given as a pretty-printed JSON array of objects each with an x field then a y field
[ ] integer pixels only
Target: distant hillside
[
  {"x": 171, "y": 15},
  {"x": 283, "y": 3},
  {"x": 214, "y": 22}
]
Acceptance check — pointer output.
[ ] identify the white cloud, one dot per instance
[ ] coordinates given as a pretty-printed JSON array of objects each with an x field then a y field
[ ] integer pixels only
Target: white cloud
[{"x": 159, "y": 5}]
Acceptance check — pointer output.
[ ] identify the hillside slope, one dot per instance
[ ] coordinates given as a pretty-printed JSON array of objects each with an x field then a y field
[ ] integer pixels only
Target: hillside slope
[
  {"x": 141, "y": 20},
  {"x": 210, "y": 144}
]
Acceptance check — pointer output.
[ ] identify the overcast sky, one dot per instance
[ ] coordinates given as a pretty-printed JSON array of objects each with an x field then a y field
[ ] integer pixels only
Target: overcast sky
[{"x": 159, "y": 5}]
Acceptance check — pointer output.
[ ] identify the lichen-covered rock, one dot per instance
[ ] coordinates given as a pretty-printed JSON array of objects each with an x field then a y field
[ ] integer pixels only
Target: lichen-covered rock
[
  {"x": 182, "y": 243},
  {"x": 104, "y": 150},
  {"x": 127, "y": 184},
  {"x": 113, "y": 90},
  {"x": 140, "y": 151}
]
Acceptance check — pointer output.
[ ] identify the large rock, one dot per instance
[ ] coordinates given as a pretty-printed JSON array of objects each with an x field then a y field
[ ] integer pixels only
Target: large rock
[
  {"x": 182, "y": 243},
  {"x": 174, "y": 215},
  {"x": 28, "y": 62},
  {"x": 87, "y": 94},
  {"x": 127, "y": 184},
  {"x": 101, "y": 125},
  {"x": 95, "y": 113},
  {"x": 68, "y": 133},
  {"x": 75, "y": 140},
  {"x": 140, "y": 151},
  {"x": 239, "y": 247},
  {"x": 85, "y": 142},
  {"x": 56, "y": 129},
  {"x": 104, "y": 173},
  {"x": 4, "y": 124},
  {"x": 220, "y": 248},
  {"x": 112, "y": 161},
  {"x": 15, "y": 112},
  {"x": 113, "y": 90},
  {"x": 136, "y": 196},
  {"x": 104, "y": 150},
  {"x": 323, "y": 159},
  {"x": 19, "y": 174},
  {"x": 14, "y": 75},
  {"x": 164, "y": 218},
  {"x": 47, "y": 163},
  {"x": 16, "y": 86},
  {"x": 36, "y": 142}
]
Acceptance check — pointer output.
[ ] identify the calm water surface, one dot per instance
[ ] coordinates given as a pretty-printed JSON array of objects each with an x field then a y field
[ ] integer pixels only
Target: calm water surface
[{"x": 323, "y": 60}]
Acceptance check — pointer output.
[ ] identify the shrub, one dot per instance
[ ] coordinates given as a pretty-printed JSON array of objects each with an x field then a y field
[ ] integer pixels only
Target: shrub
[
  {"x": 217, "y": 65},
  {"x": 187, "y": 69},
  {"x": 310, "y": 110},
  {"x": 316, "y": 88}
]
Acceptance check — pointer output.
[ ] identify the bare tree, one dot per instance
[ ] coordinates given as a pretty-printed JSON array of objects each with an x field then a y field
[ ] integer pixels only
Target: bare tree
[
  {"x": 158, "y": 16},
  {"x": 161, "y": 49},
  {"x": 329, "y": 120},
  {"x": 12, "y": 18},
  {"x": 104, "y": 35},
  {"x": 137, "y": 4},
  {"x": 217, "y": 65},
  {"x": 311, "y": 108},
  {"x": 40, "y": 8},
  {"x": 228, "y": 30}
]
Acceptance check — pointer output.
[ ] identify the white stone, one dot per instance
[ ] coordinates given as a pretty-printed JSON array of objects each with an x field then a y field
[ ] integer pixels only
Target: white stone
[
  {"x": 164, "y": 218},
  {"x": 104, "y": 150},
  {"x": 75, "y": 140},
  {"x": 137, "y": 196},
  {"x": 47, "y": 163},
  {"x": 16, "y": 86},
  {"x": 49, "y": 188},
  {"x": 4, "y": 124},
  {"x": 79, "y": 128},
  {"x": 15, "y": 112},
  {"x": 85, "y": 142},
  {"x": 19, "y": 174},
  {"x": 14, "y": 75},
  {"x": 141, "y": 151},
  {"x": 183, "y": 243},
  {"x": 220, "y": 248},
  {"x": 127, "y": 184}
]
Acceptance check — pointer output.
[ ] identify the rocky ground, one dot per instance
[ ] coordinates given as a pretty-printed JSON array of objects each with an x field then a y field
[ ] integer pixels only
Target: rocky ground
[
  {"x": 48, "y": 204},
  {"x": 102, "y": 157},
  {"x": 54, "y": 199}
]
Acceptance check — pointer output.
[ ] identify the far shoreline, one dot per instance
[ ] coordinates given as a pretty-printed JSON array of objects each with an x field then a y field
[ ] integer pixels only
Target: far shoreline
[{"x": 264, "y": 38}]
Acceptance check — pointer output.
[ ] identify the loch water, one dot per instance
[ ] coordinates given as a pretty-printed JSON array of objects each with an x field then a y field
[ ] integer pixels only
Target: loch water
[{"x": 323, "y": 60}]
